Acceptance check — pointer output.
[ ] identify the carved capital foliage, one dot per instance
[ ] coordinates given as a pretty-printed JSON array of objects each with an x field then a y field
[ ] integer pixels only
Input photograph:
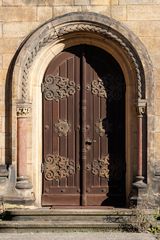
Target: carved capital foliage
[
  {"x": 53, "y": 34},
  {"x": 141, "y": 107},
  {"x": 23, "y": 110}
]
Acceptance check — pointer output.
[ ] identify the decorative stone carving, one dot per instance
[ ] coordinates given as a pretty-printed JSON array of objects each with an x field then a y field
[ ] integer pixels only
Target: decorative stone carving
[
  {"x": 109, "y": 34},
  {"x": 100, "y": 128},
  {"x": 56, "y": 87},
  {"x": 62, "y": 128},
  {"x": 52, "y": 34},
  {"x": 100, "y": 167},
  {"x": 97, "y": 88},
  {"x": 58, "y": 167},
  {"x": 23, "y": 111},
  {"x": 141, "y": 107}
]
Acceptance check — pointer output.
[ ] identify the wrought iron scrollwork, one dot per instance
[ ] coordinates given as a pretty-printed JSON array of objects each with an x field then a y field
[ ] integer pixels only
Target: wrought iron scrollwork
[
  {"x": 100, "y": 167},
  {"x": 100, "y": 128},
  {"x": 57, "y": 167},
  {"x": 109, "y": 86},
  {"x": 98, "y": 88},
  {"x": 57, "y": 87},
  {"x": 62, "y": 128}
]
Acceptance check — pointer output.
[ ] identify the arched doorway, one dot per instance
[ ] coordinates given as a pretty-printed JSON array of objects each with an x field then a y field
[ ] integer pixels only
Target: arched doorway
[
  {"x": 23, "y": 88},
  {"x": 83, "y": 129}
]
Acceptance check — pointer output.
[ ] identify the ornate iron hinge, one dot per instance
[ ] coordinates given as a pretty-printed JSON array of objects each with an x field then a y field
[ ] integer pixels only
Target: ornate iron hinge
[{"x": 57, "y": 87}]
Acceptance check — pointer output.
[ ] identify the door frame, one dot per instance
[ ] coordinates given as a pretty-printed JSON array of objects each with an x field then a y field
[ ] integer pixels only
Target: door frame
[{"x": 43, "y": 45}]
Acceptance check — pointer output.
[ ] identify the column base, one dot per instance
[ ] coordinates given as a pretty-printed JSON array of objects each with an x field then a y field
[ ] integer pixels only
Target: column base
[
  {"x": 138, "y": 193},
  {"x": 23, "y": 183},
  {"x": 12, "y": 192}
]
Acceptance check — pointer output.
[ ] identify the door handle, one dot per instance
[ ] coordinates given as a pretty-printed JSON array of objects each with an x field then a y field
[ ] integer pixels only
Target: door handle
[{"x": 90, "y": 141}]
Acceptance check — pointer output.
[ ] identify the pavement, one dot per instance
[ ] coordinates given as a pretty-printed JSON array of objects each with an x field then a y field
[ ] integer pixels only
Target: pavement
[{"x": 77, "y": 236}]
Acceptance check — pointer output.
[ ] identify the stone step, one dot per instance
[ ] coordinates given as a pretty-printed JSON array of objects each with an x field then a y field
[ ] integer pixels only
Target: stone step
[
  {"x": 52, "y": 226},
  {"x": 102, "y": 215},
  {"x": 23, "y": 220}
]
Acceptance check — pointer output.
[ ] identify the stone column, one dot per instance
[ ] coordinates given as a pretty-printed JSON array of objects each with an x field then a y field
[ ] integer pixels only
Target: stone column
[
  {"x": 23, "y": 112},
  {"x": 139, "y": 185},
  {"x": 141, "y": 107}
]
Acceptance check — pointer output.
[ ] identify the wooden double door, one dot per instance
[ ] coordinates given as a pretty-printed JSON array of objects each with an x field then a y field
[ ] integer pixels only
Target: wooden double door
[{"x": 83, "y": 129}]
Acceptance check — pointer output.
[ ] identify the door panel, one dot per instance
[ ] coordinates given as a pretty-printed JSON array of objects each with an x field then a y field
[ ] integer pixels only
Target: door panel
[
  {"x": 61, "y": 178},
  {"x": 83, "y": 129},
  {"x": 97, "y": 146}
]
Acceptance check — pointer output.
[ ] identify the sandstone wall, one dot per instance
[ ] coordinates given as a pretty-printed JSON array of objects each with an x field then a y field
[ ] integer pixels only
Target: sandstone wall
[{"x": 19, "y": 17}]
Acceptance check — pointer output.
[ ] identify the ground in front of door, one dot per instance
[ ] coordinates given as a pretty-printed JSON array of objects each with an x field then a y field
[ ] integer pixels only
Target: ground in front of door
[{"x": 77, "y": 236}]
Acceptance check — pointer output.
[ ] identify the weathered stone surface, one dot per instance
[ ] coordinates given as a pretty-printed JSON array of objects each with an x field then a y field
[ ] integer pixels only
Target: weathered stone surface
[
  {"x": 100, "y": 2},
  {"x": 29, "y": 2},
  {"x": 64, "y": 2},
  {"x": 157, "y": 108},
  {"x": 9, "y": 45},
  {"x": 105, "y": 10},
  {"x": 1, "y": 62},
  {"x": 2, "y": 140},
  {"x": 82, "y": 2},
  {"x": 18, "y": 29},
  {"x": 144, "y": 28},
  {"x": 1, "y": 29},
  {"x": 139, "y": 1},
  {"x": 18, "y": 14},
  {"x": 7, "y": 60},
  {"x": 143, "y": 12},
  {"x": 119, "y": 12},
  {"x": 114, "y": 2},
  {"x": 67, "y": 9},
  {"x": 44, "y": 13}
]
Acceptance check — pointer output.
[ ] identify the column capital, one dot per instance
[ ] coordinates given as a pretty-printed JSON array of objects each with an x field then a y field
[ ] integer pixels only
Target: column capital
[
  {"x": 141, "y": 107},
  {"x": 23, "y": 110}
]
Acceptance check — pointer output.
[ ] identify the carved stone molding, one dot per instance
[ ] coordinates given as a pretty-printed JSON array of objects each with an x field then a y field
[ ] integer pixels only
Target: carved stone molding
[
  {"x": 53, "y": 34},
  {"x": 57, "y": 167},
  {"x": 56, "y": 87}
]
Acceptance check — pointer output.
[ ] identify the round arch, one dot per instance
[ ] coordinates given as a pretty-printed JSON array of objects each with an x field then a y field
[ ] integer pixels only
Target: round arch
[{"x": 27, "y": 71}]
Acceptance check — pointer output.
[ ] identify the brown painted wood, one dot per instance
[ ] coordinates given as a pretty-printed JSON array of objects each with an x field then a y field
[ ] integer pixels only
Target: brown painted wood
[{"x": 83, "y": 143}]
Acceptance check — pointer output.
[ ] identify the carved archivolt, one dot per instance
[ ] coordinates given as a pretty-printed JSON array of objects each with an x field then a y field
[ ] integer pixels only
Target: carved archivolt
[
  {"x": 56, "y": 87},
  {"x": 57, "y": 167},
  {"x": 52, "y": 34}
]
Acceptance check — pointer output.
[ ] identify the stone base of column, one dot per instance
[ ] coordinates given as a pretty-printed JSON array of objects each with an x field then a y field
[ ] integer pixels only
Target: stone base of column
[
  {"x": 20, "y": 193},
  {"x": 23, "y": 183},
  {"x": 138, "y": 194}
]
